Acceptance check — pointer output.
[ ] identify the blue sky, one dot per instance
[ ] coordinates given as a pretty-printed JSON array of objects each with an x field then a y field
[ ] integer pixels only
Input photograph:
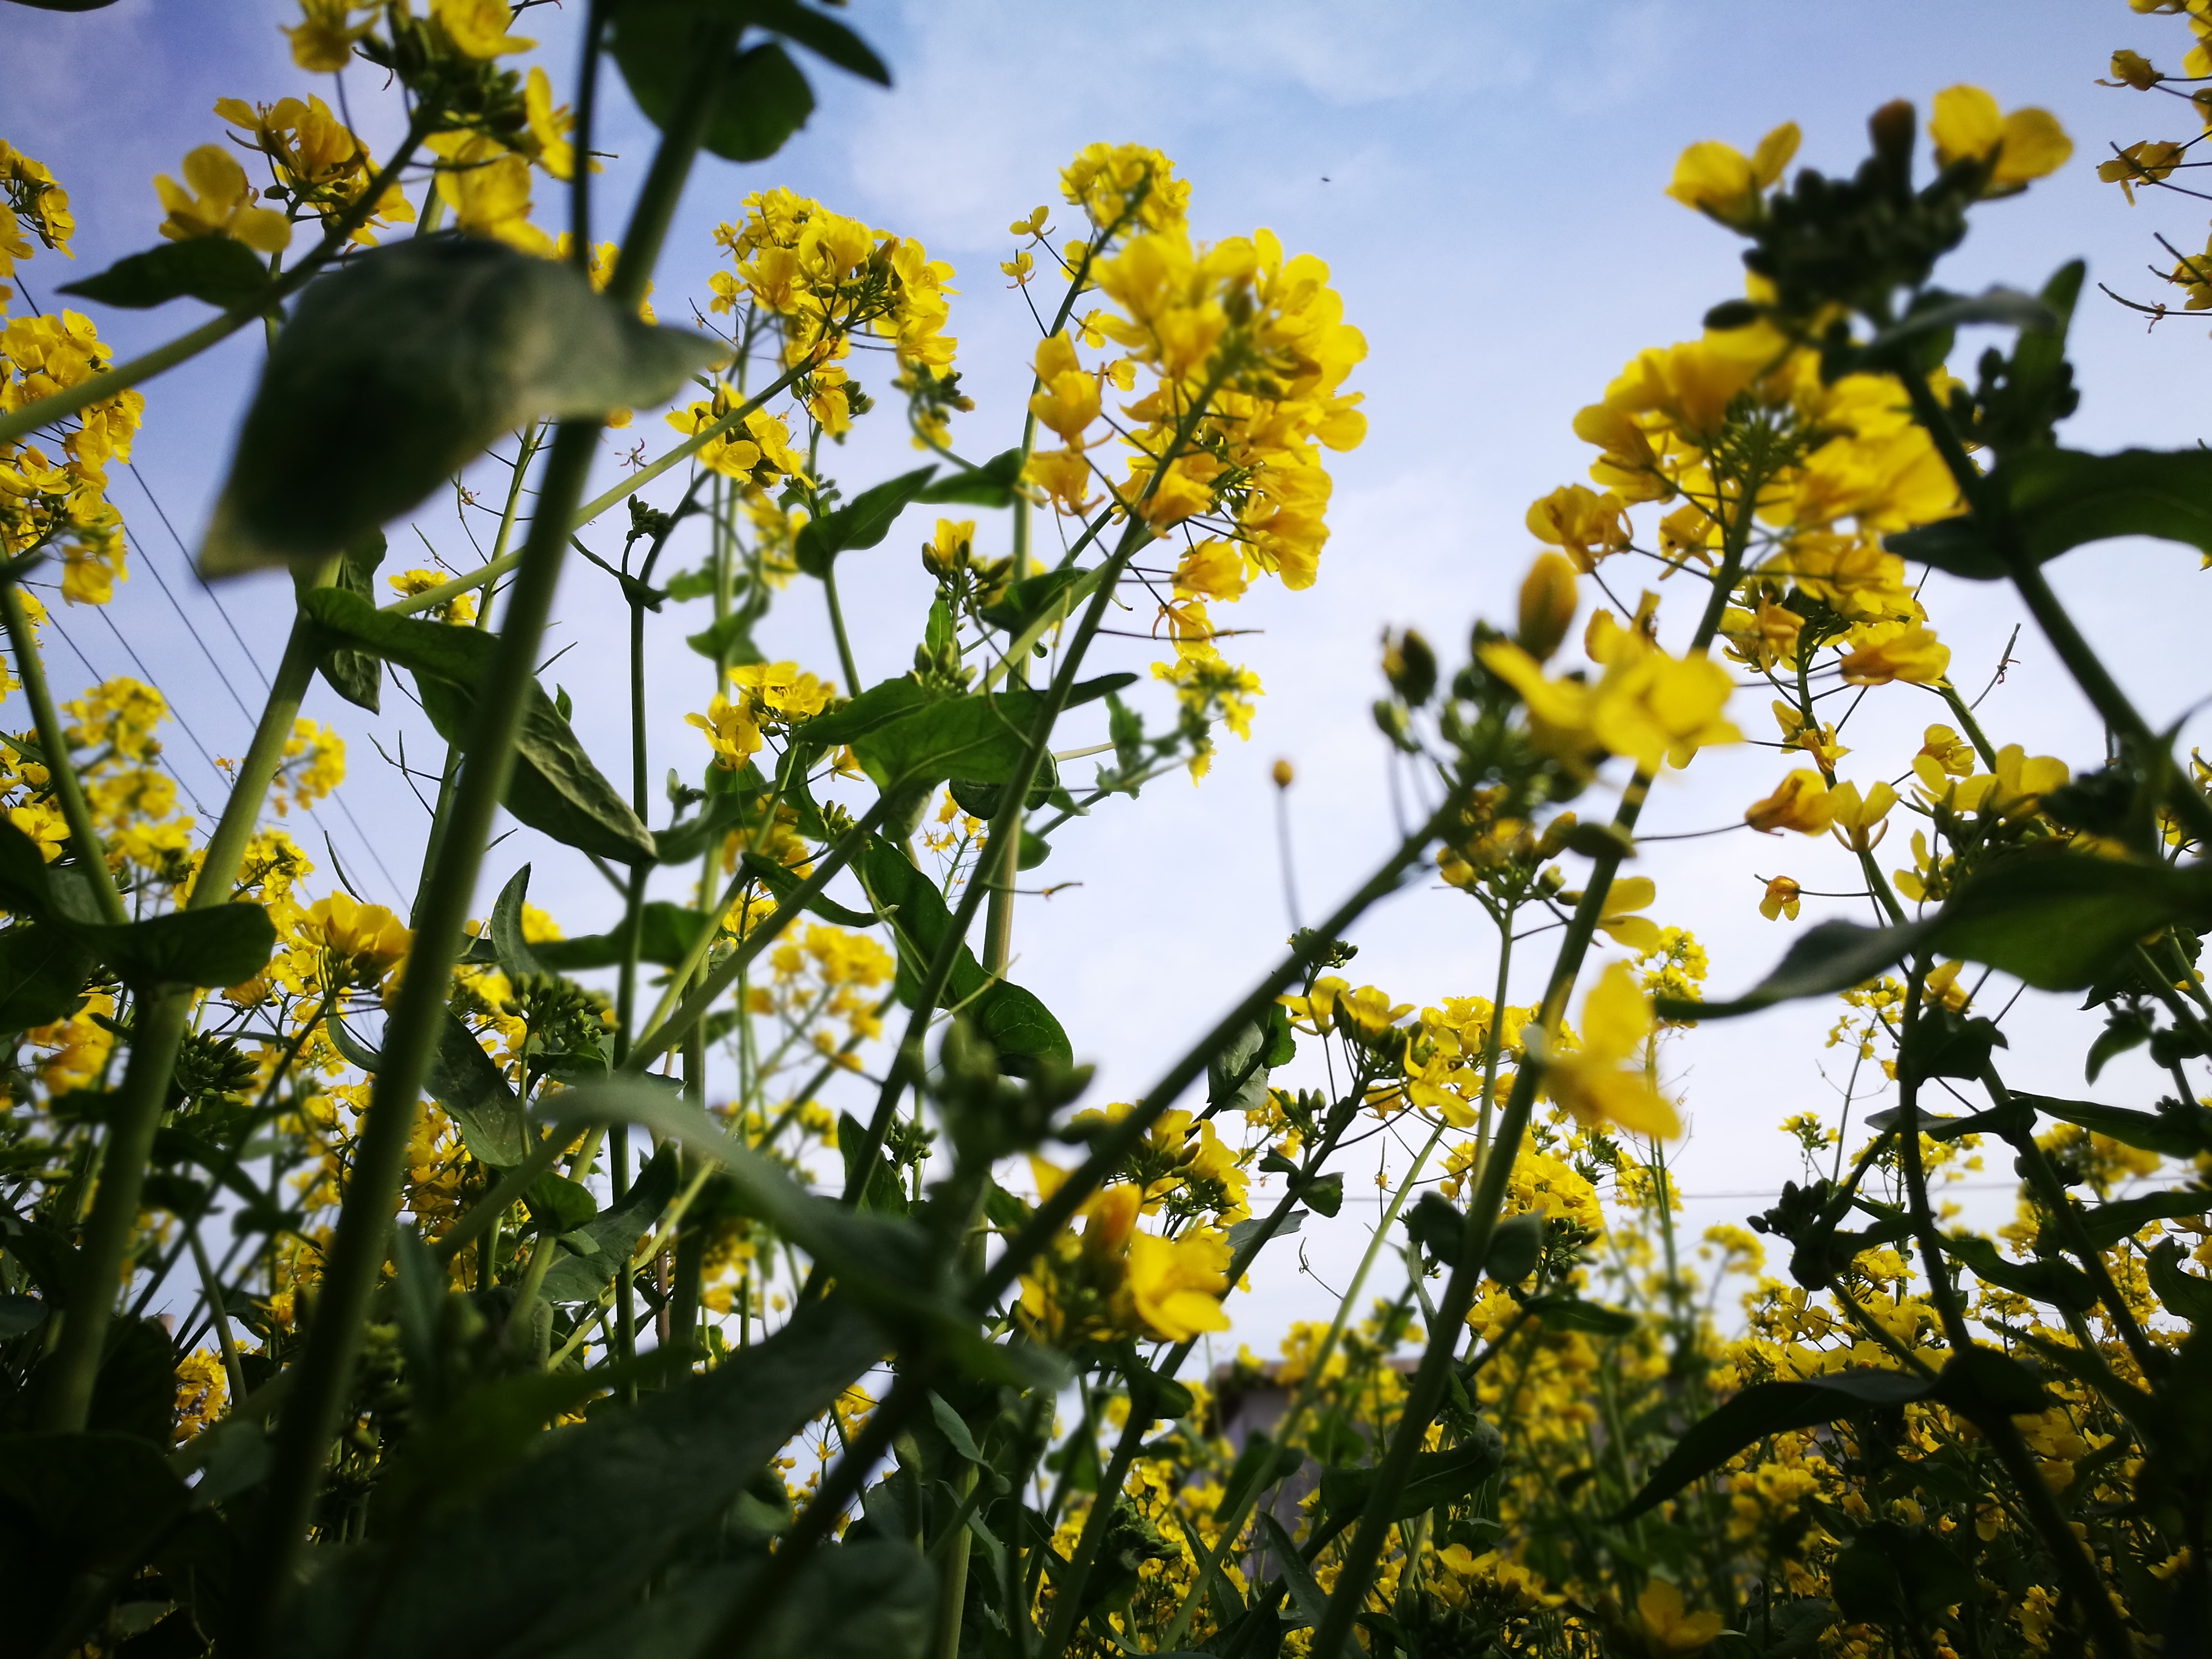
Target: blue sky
[{"x": 1485, "y": 181}]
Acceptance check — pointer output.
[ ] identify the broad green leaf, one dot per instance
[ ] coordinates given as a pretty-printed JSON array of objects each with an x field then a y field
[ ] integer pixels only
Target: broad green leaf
[
  {"x": 991, "y": 484},
  {"x": 1764, "y": 1409},
  {"x": 558, "y": 1204},
  {"x": 763, "y": 98},
  {"x": 397, "y": 369},
  {"x": 825, "y": 36},
  {"x": 217, "y": 270},
  {"x": 223, "y": 945},
  {"x": 2054, "y": 919},
  {"x": 1019, "y": 1027},
  {"x": 2055, "y": 1279},
  {"x": 1516, "y": 1244},
  {"x": 1237, "y": 1078},
  {"x": 72, "y": 1504},
  {"x": 2060, "y": 498},
  {"x": 1033, "y": 600},
  {"x": 2106, "y": 1224},
  {"x": 686, "y": 842},
  {"x": 862, "y": 522},
  {"x": 555, "y": 789},
  {"x": 1893, "y": 1574},
  {"x": 357, "y": 676},
  {"x": 1437, "y": 1478},
  {"x": 1242, "y": 1233},
  {"x": 729, "y": 641},
  {"x": 783, "y": 882},
  {"x": 2183, "y": 1133},
  {"x": 1306, "y": 1593},
  {"x": 43, "y": 971},
  {"x": 2184, "y": 1294},
  {"x": 571, "y": 1534},
  {"x": 469, "y": 1084},
  {"x": 980, "y": 737},
  {"x": 668, "y": 932},
  {"x": 506, "y": 926},
  {"x": 1568, "y": 1313},
  {"x": 878, "y": 705},
  {"x": 1827, "y": 957},
  {"x": 613, "y": 1233},
  {"x": 881, "y": 1192}
]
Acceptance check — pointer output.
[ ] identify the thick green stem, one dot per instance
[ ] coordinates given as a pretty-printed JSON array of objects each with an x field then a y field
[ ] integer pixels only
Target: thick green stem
[{"x": 61, "y": 771}]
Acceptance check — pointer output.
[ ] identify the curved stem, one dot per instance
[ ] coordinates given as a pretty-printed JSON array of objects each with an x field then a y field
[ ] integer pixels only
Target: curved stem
[{"x": 61, "y": 771}]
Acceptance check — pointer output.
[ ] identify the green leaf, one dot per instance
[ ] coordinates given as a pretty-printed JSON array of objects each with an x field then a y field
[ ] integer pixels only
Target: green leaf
[
  {"x": 2106, "y": 1224},
  {"x": 1306, "y": 1593},
  {"x": 1516, "y": 1244},
  {"x": 1019, "y": 1027},
  {"x": 555, "y": 789},
  {"x": 74, "y": 1504},
  {"x": 399, "y": 368},
  {"x": 2183, "y": 1133},
  {"x": 1568, "y": 1313},
  {"x": 2184, "y": 1294},
  {"x": 613, "y": 1233},
  {"x": 506, "y": 927},
  {"x": 667, "y": 934},
  {"x": 782, "y": 881},
  {"x": 862, "y": 522},
  {"x": 980, "y": 737},
  {"x": 217, "y": 270},
  {"x": 1437, "y": 1478},
  {"x": 43, "y": 971},
  {"x": 2059, "y": 498},
  {"x": 881, "y": 1191},
  {"x": 559, "y": 1205},
  {"x": 356, "y": 676},
  {"x": 991, "y": 484},
  {"x": 571, "y": 1534},
  {"x": 877, "y": 706},
  {"x": 468, "y": 1083},
  {"x": 2054, "y": 1280},
  {"x": 825, "y": 36},
  {"x": 729, "y": 641},
  {"x": 223, "y": 945},
  {"x": 1034, "y": 600},
  {"x": 1894, "y": 1574},
  {"x": 1826, "y": 957},
  {"x": 1984, "y": 1384},
  {"x": 2055, "y": 919},
  {"x": 763, "y": 98},
  {"x": 1764, "y": 1409}
]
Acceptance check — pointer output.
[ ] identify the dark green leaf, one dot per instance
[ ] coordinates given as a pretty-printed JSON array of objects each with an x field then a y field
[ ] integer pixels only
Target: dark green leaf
[
  {"x": 558, "y": 1204},
  {"x": 469, "y": 1084},
  {"x": 2054, "y": 1280},
  {"x": 575, "y": 1531},
  {"x": 1323, "y": 1194},
  {"x": 762, "y": 101},
  {"x": 980, "y": 737},
  {"x": 877, "y": 706},
  {"x": 506, "y": 927},
  {"x": 1437, "y": 1478},
  {"x": 1242, "y": 1233},
  {"x": 2183, "y": 1133},
  {"x": 783, "y": 882},
  {"x": 1984, "y": 1384},
  {"x": 1770, "y": 1408},
  {"x": 2055, "y": 919},
  {"x": 1568, "y": 1313},
  {"x": 1306, "y": 1593},
  {"x": 2060, "y": 498},
  {"x": 1022, "y": 1028},
  {"x": 881, "y": 1191},
  {"x": 19, "y": 1314},
  {"x": 2007, "y": 306},
  {"x": 397, "y": 370},
  {"x": 862, "y": 522},
  {"x": 613, "y": 1233},
  {"x": 1891, "y": 1573},
  {"x": 2106, "y": 1224},
  {"x": 1436, "y": 1226},
  {"x": 42, "y": 976},
  {"x": 2184, "y": 1294},
  {"x": 72, "y": 1504},
  {"x": 356, "y": 676},
  {"x": 555, "y": 789},
  {"x": 224, "y": 273},
  {"x": 991, "y": 484},
  {"x": 950, "y": 1426},
  {"x": 825, "y": 36},
  {"x": 729, "y": 642},
  {"x": 1515, "y": 1245},
  {"x": 686, "y": 842},
  {"x": 669, "y": 930},
  {"x": 223, "y": 945},
  {"x": 1828, "y": 958},
  {"x": 350, "y": 1048},
  {"x": 1237, "y": 1078}
]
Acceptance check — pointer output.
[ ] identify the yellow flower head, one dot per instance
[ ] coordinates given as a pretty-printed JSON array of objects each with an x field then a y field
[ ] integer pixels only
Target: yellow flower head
[
  {"x": 1966, "y": 126},
  {"x": 1799, "y": 803},
  {"x": 1780, "y": 899},
  {"x": 215, "y": 200},
  {"x": 1720, "y": 180},
  {"x": 1604, "y": 1080},
  {"x": 1667, "y": 1627},
  {"x": 360, "y": 941},
  {"x": 477, "y": 28}
]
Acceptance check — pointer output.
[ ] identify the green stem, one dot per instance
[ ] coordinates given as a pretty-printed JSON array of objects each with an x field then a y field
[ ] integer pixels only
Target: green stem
[
  {"x": 61, "y": 771},
  {"x": 218, "y": 1305},
  {"x": 837, "y": 627}
]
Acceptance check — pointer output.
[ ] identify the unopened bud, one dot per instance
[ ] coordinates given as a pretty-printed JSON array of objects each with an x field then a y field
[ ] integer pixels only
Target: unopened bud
[
  {"x": 1283, "y": 776},
  {"x": 1410, "y": 667},
  {"x": 1548, "y": 598}
]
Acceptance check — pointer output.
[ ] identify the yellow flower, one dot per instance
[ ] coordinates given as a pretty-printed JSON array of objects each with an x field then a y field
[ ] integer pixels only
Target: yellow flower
[
  {"x": 2132, "y": 68},
  {"x": 549, "y": 126},
  {"x": 1660, "y": 1616},
  {"x": 1627, "y": 894},
  {"x": 42, "y": 821},
  {"x": 1801, "y": 803},
  {"x": 215, "y": 200},
  {"x": 1648, "y": 706},
  {"x": 1780, "y": 899},
  {"x": 362, "y": 941},
  {"x": 487, "y": 185},
  {"x": 1176, "y": 1283},
  {"x": 323, "y": 43},
  {"x": 1717, "y": 180},
  {"x": 1366, "y": 1013},
  {"x": 1764, "y": 637},
  {"x": 1851, "y": 815},
  {"x": 478, "y": 27},
  {"x": 732, "y": 730},
  {"x": 1576, "y": 516},
  {"x": 1882, "y": 652},
  {"x": 1591, "y": 1082},
  {"x": 1965, "y": 125},
  {"x": 1068, "y": 401}
]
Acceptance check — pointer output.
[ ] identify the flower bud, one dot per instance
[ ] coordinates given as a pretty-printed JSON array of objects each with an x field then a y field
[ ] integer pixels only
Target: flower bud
[
  {"x": 1282, "y": 774},
  {"x": 1547, "y": 605},
  {"x": 1410, "y": 667}
]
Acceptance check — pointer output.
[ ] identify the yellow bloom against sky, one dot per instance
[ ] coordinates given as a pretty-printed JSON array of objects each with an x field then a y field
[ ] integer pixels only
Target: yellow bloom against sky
[{"x": 1419, "y": 157}]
